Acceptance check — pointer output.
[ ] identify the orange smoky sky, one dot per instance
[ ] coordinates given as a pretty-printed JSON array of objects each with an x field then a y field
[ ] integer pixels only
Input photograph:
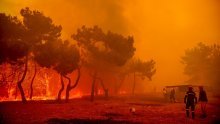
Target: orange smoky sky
[{"x": 163, "y": 29}]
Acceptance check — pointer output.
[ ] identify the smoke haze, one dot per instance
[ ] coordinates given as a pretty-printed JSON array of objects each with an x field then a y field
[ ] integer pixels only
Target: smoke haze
[{"x": 162, "y": 30}]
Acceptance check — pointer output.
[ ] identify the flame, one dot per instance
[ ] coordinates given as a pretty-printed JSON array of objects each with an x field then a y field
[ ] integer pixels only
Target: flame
[
  {"x": 48, "y": 93},
  {"x": 42, "y": 98},
  {"x": 77, "y": 95},
  {"x": 122, "y": 92},
  {"x": 100, "y": 92},
  {"x": 11, "y": 92}
]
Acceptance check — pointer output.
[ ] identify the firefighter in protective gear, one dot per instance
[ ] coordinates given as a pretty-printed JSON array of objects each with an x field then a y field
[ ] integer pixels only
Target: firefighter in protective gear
[
  {"x": 203, "y": 100},
  {"x": 190, "y": 100}
]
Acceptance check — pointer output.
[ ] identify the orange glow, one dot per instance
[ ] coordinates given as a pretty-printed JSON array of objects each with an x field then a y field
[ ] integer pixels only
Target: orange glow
[
  {"x": 162, "y": 30},
  {"x": 77, "y": 95},
  {"x": 122, "y": 92},
  {"x": 109, "y": 61},
  {"x": 48, "y": 92}
]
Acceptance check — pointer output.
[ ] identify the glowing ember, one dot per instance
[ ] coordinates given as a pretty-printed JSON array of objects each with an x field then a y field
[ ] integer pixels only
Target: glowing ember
[
  {"x": 100, "y": 92},
  {"x": 77, "y": 95},
  {"x": 122, "y": 92},
  {"x": 42, "y": 98}
]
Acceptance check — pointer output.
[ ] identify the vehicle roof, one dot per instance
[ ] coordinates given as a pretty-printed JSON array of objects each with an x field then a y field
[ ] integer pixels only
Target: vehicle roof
[{"x": 173, "y": 86}]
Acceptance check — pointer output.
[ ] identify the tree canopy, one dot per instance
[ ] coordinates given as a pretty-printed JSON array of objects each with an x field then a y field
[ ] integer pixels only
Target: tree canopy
[
  {"x": 100, "y": 47},
  {"x": 202, "y": 63},
  {"x": 36, "y": 39},
  {"x": 102, "y": 52},
  {"x": 40, "y": 28},
  {"x": 142, "y": 68},
  {"x": 13, "y": 45},
  {"x": 21, "y": 40}
]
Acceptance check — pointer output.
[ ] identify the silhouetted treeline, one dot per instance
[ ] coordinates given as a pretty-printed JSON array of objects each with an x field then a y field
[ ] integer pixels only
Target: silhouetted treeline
[
  {"x": 202, "y": 64},
  {"x": 36, "y": 39}
]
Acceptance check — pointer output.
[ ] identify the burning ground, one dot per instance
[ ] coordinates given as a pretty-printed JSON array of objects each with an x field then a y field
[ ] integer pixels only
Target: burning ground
[{"x": 146, "y": 109}]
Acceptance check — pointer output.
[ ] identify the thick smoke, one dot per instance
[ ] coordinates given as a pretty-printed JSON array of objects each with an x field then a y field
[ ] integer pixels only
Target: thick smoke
[
  {"x": 162, "y": 29},
  {"x": 106, "y": 13}
]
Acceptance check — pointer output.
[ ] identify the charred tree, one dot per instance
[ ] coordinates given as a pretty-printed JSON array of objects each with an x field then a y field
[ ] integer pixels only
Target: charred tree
[
  {"x": 103, "y": 86},
  {"x": 32, "y": 80},
  {"x": 142, "y": 69},
  {"x": 104, "y": 50},
  {"x": 22, "y": 79},
  {"x": 121, "y": 81},
  {"x": 61, "y": 89},
  {"x": 69, "y": 87},
  {"x": 93, "y": 87}
]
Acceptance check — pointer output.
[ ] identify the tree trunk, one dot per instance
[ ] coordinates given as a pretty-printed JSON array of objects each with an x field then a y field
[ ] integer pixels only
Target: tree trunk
[
  {"x": 133, "y": 85},
  {"x": 32, "y": 80},
  {"x": 104, "y": 88},
  {"x": 22, "y": 79},
  {"x": 120, "y": 85},
  {"x": 77, "y": 80},
  {"x": 93, "y": 87},
  {"x": 61, "y": 89},
  {"x": 69, "y": 87},
  {"x": 16, "y": 89}
]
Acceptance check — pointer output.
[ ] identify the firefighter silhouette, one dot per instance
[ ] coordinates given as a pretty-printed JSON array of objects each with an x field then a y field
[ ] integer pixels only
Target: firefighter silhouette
[
  {"x": 190, "y": 100},
  {"x": 165, "y": 93},
  {"x": 203, "y": 101},
  {"x": 172, "y": 95}
]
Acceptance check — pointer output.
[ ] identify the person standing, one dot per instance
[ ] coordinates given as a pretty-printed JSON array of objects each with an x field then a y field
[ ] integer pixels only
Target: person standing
[
  {"x": 172, "y": 95},
  {"x": 190, "y": 100},
  {"x": 203, "y": 101}
]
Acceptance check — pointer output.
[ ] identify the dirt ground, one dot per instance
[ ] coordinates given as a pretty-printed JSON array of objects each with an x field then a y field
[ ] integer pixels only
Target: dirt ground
[{"x": 101, "y": 111}]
